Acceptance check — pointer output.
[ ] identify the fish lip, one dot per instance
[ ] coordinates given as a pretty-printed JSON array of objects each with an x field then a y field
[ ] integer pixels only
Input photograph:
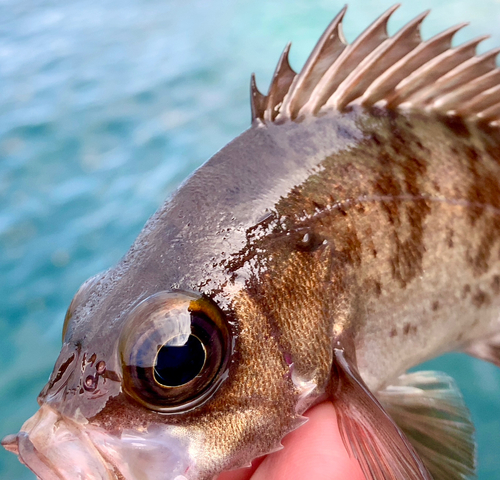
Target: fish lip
[
  {"x": 55, "y": 447},
  {"x": 34, "y": 460},
  {"x": 51, "y": 446},
  {"x": 10, "y": 443}
]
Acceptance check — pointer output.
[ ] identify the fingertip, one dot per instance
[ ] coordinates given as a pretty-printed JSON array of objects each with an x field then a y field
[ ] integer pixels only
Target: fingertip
[{"x": 315, "y": 450}]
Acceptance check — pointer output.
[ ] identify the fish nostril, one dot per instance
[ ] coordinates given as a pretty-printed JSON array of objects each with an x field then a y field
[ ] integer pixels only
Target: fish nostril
[
  {"x": 101, "y": 367},
  {"x": 90, "y": 383}
]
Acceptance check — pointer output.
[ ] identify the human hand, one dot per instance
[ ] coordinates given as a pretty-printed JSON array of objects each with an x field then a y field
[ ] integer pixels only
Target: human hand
[{"x": 315, "y": 450}]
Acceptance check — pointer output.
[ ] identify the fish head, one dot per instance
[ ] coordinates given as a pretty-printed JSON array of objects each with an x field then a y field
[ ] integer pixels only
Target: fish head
[{"x": 173, "y": 366}]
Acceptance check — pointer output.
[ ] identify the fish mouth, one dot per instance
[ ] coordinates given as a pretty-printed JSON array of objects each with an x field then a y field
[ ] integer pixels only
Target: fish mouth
[{"x": 54, "y": 447}]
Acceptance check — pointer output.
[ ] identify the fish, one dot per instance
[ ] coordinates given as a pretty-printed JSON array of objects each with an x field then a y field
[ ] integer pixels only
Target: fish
[{"x": 351, "y": 233}]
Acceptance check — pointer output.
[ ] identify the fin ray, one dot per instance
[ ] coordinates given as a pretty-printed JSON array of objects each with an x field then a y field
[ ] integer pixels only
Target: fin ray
[
  {"x": 258, "y": 101},
  {"x": 398, "y": 72},
  {"x": 430, "y": 410},
  {"x": 389, "y": 52},
  {"x": 352, "y": 55},
  {"x": 423, "y": 53},
  {"x": 327, "y": 50},
  {"x": 369, "y": 434},
  {"x": 282, "y": 79}
]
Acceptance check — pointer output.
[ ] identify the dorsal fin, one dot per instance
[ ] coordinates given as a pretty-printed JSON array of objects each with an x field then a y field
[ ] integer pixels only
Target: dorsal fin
[
  {"x": 327, "y": 50},
  {"x": 257, "y": 101},
  {"x": 282, "y": 79},
  {"x": 398, "y": 72},
  {"x": 266, "y": 108}
]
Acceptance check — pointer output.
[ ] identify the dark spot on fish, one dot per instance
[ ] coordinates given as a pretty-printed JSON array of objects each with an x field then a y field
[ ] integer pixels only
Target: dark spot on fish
[
  {"x": 113, "y": 376},
  {"x": 435, "y": 306},
  {"x": 490, "y": 137},
  {"x": 483, "y": 192},
  {"x": 100, "y": 367},
  {"x": 402, "y": 169},
  {"x": 460, "y": 336},
  {"x": 318, "y": 206},
  {"x": 393, "y": 333},
  {"x": 373, "y": 286},
  {"x": 480, "y": 298},
  {"x": 62, "y": 370},
  {"x": 374, "y": 252},
  {"x": 309, "y": 241},
  {"x": 479, "y": 259},
  {"x": 360, "y": 208},
  {"x": 342, "y": 211},
  {"x": 495, "y": 284},
  {"x": 449, "y": 238},
  {"x": 466, "y": 291},
  {"x": 408, "y": 328},
  {"x": 376, "y": 138},
  {"x": 457, "y": 125}
]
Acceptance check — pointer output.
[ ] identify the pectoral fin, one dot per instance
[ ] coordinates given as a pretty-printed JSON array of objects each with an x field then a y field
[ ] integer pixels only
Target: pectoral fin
[
  {"x": 430, "y": 410},
  {"x": 369, "y": 434}
]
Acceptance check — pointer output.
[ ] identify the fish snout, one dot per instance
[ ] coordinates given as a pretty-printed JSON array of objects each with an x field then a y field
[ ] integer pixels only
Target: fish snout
[
  {"x": 10, "y": 444},
  {"x": 56, "y": 449}
]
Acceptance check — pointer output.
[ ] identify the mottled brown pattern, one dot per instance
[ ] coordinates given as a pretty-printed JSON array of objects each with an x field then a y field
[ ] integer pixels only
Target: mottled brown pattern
[
  {"x": 355, "y": 229},
  {"x": 232, "y": 420},
  {"x": 480, "y": 299},
  {"x": 364, "y": 246},
  {"x": 483, "y": 193}
]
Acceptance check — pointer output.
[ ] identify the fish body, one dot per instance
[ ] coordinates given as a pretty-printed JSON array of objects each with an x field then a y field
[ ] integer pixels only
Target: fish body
[{"x": 341, "y": 240}]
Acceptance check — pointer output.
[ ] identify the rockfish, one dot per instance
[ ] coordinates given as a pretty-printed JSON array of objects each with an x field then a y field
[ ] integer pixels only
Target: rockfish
[{"x": 351, "y": 233}]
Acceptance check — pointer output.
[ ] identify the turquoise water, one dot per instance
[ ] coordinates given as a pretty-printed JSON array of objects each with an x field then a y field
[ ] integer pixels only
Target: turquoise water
[{"x": 105, "y": 106}]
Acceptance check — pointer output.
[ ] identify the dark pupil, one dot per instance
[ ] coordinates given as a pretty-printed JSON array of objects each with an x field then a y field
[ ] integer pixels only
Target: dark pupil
[{"x": 176, "y": 366}]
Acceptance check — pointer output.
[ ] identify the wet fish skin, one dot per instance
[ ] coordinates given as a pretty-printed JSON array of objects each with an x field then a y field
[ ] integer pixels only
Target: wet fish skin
[{"x": 342, "y": 249}]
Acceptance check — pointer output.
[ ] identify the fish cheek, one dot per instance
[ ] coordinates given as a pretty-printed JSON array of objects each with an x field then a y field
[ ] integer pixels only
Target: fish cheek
[
  {"x": 256, "y": 407},
  {"x": 301, "y": 300},
  {"x": 253, "y": 409}
]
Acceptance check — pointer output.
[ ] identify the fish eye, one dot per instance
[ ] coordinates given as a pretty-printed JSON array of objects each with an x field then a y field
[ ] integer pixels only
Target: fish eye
[{"x": 174, "y": 349}]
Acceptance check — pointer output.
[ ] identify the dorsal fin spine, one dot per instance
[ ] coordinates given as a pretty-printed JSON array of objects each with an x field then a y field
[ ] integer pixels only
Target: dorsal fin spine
[
  {"x": 257, "y": 101},
  {"x": 415, "y": 59},
  {"x": 397, "y": 72},
  {"x": 327, "y": 50},
  {"x": 390, "y": 51},
  {"x": 411, "y": 87},
  {"x": 461, "y": 74},
  {"x": 467, "y": 91},
  {"x": 481, "y": 102},
  {"x": 352, "y": 55},
  {"x": 282, "y": 79}
]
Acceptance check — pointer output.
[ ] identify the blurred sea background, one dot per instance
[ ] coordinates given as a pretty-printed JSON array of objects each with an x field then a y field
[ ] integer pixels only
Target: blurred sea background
[{"x": 105, "y": 107}]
